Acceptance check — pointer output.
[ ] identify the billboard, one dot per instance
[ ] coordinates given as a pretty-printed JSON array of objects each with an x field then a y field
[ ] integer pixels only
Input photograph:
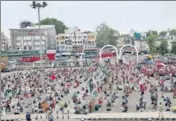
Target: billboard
[{"x": 91, "y": 37}]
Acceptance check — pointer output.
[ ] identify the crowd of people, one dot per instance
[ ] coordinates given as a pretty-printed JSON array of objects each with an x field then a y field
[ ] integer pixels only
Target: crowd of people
[{"x": 82, "y": 89}]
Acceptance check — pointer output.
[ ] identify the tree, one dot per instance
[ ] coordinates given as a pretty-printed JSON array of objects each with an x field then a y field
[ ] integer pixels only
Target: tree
[
  {"x": 151, "y": 43},
  {"x": 172, "y": 32},
  {"x": 173, "y": 50},
  {"x": 106, "y": 35},
  {"x": 60, "y": 26},
  {"x": 151, "y": 32},
  {"x": 163, "y": 33},
  {"x": 155, "y": 33},
  {"x": 25, "y": 24},
  {"x": 163, "y": 48}
]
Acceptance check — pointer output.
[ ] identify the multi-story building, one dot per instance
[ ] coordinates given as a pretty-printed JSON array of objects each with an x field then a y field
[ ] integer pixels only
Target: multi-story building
[
  {"x": 29, "y": 38},
  {"x": 73, "y": 40},
  {"x": 4, "y": 42},
  {"x": 140, "y": 44},
  {"x": 169, "y": 37}
]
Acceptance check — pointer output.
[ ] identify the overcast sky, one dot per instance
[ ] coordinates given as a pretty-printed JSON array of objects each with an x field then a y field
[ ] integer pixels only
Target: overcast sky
[{"x": 122, "y": 16}]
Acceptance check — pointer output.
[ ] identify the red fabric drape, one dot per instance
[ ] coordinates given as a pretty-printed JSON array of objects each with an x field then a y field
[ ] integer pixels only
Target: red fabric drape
[{"x": 51, "y": 56}]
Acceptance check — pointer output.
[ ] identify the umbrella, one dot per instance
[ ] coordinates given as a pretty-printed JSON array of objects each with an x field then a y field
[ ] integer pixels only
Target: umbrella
[{"x": 149, "y": 56}]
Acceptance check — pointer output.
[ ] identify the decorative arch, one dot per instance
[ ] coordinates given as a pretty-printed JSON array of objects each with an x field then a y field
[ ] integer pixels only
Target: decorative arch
[
  {"x": 100, "y": 52},
  {"x": 130, "y": 46}
]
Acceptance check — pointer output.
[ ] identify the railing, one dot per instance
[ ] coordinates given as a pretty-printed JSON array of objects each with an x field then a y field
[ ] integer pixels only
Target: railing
[{"x": 25, "y": 66}]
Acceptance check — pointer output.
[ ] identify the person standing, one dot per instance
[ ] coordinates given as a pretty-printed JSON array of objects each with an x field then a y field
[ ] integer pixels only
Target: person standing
[
  {"x": 50, "y": 116},
  {"x": 160, "y": 110}
]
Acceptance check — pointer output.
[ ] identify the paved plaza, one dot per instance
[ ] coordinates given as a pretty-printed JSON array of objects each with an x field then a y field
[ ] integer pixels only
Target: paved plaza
[{"x": 83, "y": 77}]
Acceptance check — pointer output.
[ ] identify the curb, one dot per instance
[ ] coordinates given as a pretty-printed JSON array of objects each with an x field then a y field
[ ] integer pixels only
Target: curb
[
  {"x": 119, "y": 119},
  {"x": 129, "y": 119}
]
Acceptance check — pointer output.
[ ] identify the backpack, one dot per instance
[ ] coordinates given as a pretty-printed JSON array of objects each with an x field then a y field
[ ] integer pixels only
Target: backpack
[{"x": 50, "y": 118}]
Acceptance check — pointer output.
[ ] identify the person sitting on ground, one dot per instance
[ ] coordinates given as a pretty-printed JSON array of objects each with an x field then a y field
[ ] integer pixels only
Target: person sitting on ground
[{"x": 28, "y": 116}]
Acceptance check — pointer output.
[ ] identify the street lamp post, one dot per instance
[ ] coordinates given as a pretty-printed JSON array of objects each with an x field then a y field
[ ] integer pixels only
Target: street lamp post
[
  {"x": 75, "y": 40},
  {"x": 75, "y": 47},
  {"x": 38, "y": 6}
]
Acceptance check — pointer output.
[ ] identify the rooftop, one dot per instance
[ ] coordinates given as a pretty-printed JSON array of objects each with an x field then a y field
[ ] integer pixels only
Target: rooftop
[{"x": 35, "y": 27}]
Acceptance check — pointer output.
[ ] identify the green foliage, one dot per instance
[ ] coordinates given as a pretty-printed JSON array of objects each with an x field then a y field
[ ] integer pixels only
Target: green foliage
[
  {"x": 60, "y": 26},
  {"x": 172, "y": 32},
  {"x": 173, "y": 51},
  {"x": 151, "y": 43},
  {"x": 152, "y": 33},
  {"x": 163, "y": 48},
  {"x": 106, "y": 35},
  {"x": 163, "y": 33}
]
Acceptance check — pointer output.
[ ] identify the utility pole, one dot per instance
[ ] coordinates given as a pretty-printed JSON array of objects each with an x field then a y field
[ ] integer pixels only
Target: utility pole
[
  {"x": 38, "y": 6},
  {"x": 75, "y": 46},
  {"x": 75, "y": 40}
]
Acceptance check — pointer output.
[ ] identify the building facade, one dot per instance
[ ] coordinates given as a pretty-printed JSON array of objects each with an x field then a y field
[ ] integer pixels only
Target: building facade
[
  {"x": 75, "y": 41},
  {"x": 29, "y": 38},
  {"x": 169, "y": 37},
  {"x": 4, "y": 42}
]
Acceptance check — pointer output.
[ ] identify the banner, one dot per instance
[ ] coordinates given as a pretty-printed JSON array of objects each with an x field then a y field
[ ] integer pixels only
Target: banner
[{"x": 51, "y": 54}]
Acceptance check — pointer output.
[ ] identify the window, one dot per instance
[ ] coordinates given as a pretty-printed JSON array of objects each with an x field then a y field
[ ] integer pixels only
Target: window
[
  {"x": 28, "y": 37},
  {"x": 62, "y": 42},
  {"x": 18, "y": 38},
  {"x": 62, "y": 47},
  {"x": 77, "y": 37},
  {"x": 37, "y": 47},
  {"x": 44, "y": 48},
  {"x": 18, "y": 43},
  {"x": 37, "y": 43},
  {"x": 61, "y": 37},
  {"x": 25, "y": 43},
  {"x": 36, "y": 37},
  {"x": 73, "y": 42},
  {"x": 29, "y": 43},
  {"x": 43, "y": 37},
  {"x": 68, "y": 42},
  {"x": 43, "y": 43}
]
